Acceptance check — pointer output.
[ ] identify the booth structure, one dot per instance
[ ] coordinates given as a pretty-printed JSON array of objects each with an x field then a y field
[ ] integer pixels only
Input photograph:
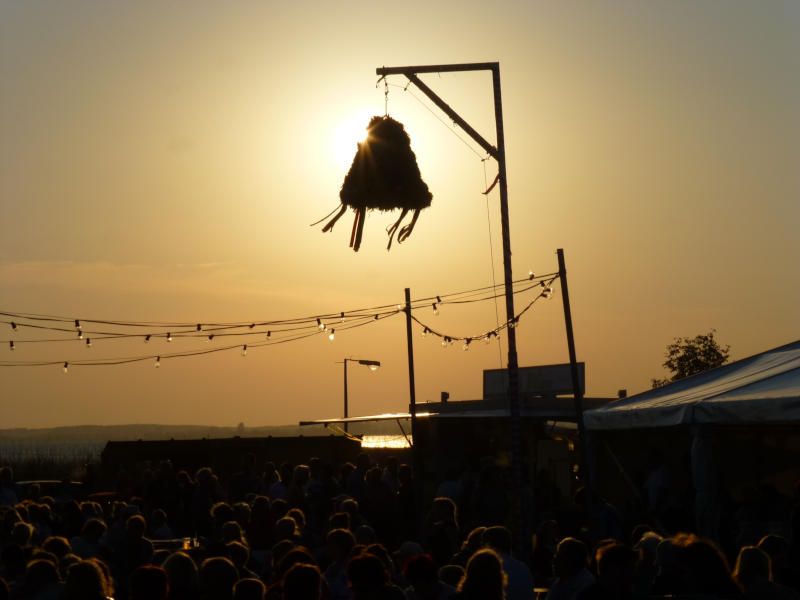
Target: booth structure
[
  {"x": 710, "y": 441},
  {"x": 463, "y": 438}
]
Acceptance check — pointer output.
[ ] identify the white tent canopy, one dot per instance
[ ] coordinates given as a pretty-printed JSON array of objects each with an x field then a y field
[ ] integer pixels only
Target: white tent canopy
[{"x": 764, "y": 388}]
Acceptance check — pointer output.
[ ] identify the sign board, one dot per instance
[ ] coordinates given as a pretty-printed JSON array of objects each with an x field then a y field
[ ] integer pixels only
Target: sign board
[{"x": 546, "y": 380}]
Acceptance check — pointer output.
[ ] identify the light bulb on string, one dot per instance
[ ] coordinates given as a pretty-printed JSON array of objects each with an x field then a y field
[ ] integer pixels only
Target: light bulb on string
[
  {"x": 269, "y": 334},
  {"x": 531, "y": 275},
  {"x": 399, "y": 307},
  {"x": 320, "y": 325},
  {"x": 11, "y": 346},
  {"x": 252, "y": 325},
  {"x": 169, "y": 337},
  {"x": 435, "y": 309},
  {"x": 77, "y": 323},
  {"x": 147, "y": 338},
  {"x": 376, "y": 317},
  {"x": 66, "y": 366},
  {"x": 331, "y": 334},
  {"x": 548, "y": 292},
  {"x": 199, "y": 327},
  {"x": 465, "y": 347},
  {"x": 425, "y": 331},
  {"x": 88, "y": 342},
  {"x": 444, "y": 342},
  {"x": 341, "y": 319},
  {"x": 158, "y": 362},
  {"x": 80, "y": 335},
  {"x": 13, "y": 326},
  {"x": 244, "y": 350},
  {"x": 210, "y": 337}
]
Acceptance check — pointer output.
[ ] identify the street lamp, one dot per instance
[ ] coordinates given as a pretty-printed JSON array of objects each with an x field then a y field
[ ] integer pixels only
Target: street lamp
[{"x": 371, "y": 364}]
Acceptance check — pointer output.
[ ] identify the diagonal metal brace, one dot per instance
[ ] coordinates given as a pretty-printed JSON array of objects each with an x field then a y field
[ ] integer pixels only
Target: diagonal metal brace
[
  {"x": 491, "y": 150},
  {"x": 411, "y": 73}
]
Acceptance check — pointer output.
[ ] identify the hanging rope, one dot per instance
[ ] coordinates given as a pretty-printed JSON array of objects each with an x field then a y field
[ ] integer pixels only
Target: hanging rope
[
  {"x": 438, "y": 118},
  {"x": 385, "y": 97},
  {"x": 491, "y": 257}
]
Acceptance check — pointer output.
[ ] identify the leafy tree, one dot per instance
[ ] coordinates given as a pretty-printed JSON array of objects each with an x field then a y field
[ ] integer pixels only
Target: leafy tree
[{"x": 690, "y": 356}]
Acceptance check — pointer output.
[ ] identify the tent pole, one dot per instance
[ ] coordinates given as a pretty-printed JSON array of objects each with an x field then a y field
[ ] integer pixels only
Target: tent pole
[
  {"x": 416, "y": 459},
  {"x": 573, "y": 364}
]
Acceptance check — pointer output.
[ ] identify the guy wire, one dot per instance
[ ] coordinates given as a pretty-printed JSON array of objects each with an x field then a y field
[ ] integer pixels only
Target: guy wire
[{"x": 491, "y": 258}]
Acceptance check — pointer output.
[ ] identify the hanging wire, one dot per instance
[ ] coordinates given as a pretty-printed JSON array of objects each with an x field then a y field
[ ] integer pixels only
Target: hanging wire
[
  {"x": 385, "y": 97},
  {"x": 189, "y": 329},
  {"x": 307, "y": 326},
  {"x": 491, "y": 259},
  {"x": 188, "y": 353},
  {"x": 438, "y": 118},
  {"x": 546, "y": 292}
]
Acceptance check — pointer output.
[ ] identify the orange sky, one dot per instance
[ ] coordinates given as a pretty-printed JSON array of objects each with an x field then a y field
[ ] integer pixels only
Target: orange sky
[{"x": 163, "y": 163}]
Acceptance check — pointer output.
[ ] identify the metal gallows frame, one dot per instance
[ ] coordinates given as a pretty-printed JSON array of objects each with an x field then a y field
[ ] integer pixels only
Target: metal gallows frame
[{"x": 499, "y": 154}]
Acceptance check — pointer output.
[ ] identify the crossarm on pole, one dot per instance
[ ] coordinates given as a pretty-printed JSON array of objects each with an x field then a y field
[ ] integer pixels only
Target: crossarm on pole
[
  {"x": 487, "y": 66},
  {"x": 411, "y": 73}
]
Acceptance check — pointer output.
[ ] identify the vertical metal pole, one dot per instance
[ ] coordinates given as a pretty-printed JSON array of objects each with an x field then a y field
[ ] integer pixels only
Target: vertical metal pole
[
  {"x": 513, "y": 367},
  {"x": 573, "y": 364},
  {"x": 416, "y": 462},
  {"x": 345, "y": 393},
  {"x": 412, "y": 393}
]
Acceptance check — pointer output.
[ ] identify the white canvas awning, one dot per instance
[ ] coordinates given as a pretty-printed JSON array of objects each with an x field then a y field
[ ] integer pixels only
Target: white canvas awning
[{"x": 764, "y": 388}]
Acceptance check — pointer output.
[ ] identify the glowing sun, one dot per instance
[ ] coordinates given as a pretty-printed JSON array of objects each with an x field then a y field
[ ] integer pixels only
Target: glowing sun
[{"x": 347, "y": 133}]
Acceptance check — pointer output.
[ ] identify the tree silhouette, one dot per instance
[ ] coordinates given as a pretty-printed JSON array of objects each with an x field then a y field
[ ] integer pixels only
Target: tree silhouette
[{"x": 690, "y": 356}]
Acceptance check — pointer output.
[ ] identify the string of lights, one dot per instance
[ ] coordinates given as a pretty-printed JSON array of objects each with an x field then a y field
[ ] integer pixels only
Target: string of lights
[
  {"x": 493, "y": 334},
  {"x": 209, "y": 333},
  {"x": 158, "y": 358},
  {"x": 285, "y": 332},
  {"x": 169, "y": 330}
]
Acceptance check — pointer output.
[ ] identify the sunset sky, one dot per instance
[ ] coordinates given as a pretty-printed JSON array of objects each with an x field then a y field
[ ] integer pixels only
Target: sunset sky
[{"x": 163, "y": 162}]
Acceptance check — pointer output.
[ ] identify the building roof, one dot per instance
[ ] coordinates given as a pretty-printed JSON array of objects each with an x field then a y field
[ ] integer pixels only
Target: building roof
[
  {"x": 764, "y": 388},
  {"x": 547, "y": 408}
]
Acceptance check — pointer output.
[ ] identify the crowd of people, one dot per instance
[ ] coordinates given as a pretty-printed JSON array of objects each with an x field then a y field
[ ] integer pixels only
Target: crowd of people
[{"x": 351, "y": 532}]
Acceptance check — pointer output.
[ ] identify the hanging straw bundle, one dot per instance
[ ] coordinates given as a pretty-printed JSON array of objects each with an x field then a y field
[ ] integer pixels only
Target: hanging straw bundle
[{"x": 384, "y": 176}]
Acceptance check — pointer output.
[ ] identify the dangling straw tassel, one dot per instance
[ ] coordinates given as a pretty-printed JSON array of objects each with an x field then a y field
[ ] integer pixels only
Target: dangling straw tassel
[
  {"x": 362, "y": 216},
  {"x": 404, "y": 232},
  {"x": 355, "y": 227},
  {"x": 326, "y": 216},
  {"x": 332, "y": 222},
  {"x": 394, "y": 227}
]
